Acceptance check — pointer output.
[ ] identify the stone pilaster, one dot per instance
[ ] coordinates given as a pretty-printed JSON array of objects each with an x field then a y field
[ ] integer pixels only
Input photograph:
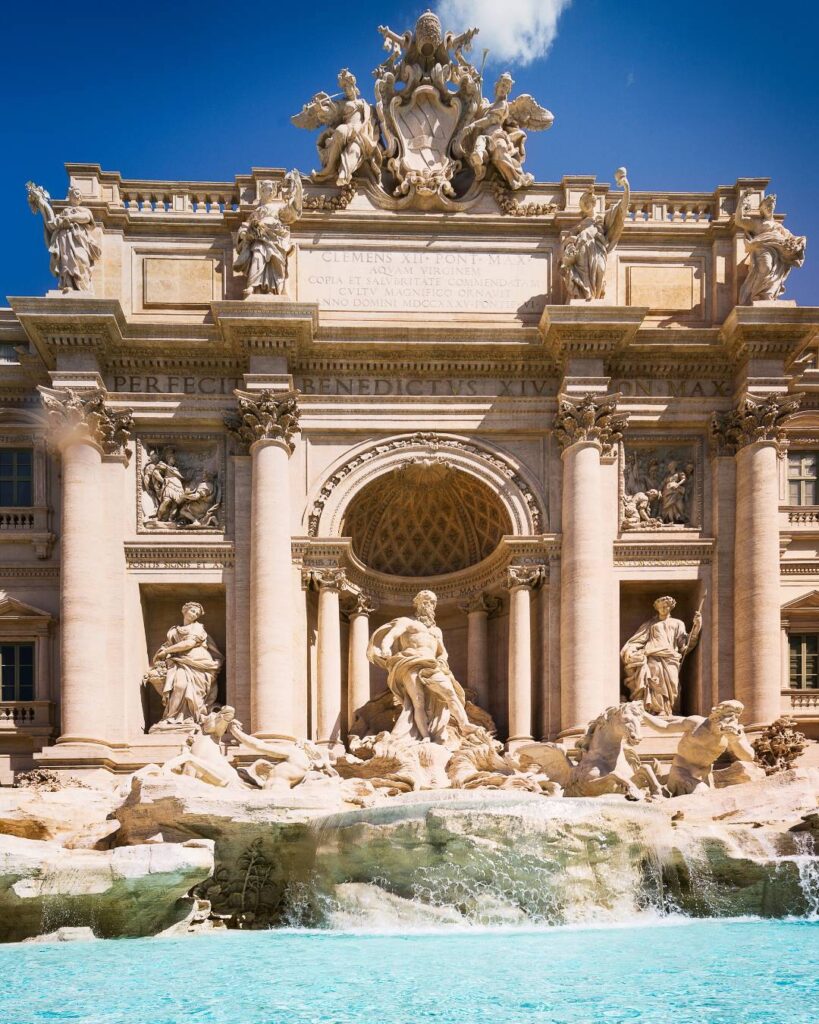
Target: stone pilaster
[
  {"x": 478, "y": 611},
  {"x": 755, "y": 431},
  {"x": 266, "y": 423},
  {"x": 520, "y": 581},
  {"x": 358, "y": 666},
  {"x": 86, "y": 431},
  {"x": 586, "y": 428}
]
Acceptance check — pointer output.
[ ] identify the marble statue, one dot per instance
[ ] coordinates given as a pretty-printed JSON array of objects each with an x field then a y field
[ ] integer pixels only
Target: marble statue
[
  {"x": 283, "y": 763},
  {"x": 496, "y": 137},
  {"x": 702, "y": 742},
  {"x": 425, "y": 54},
  {"x": 418, "y": 675},
  {"x": 607, "y": 763},
  {"x": 637, "y": 510},
  {"x": 204, "y": 758},
  {"x": 184, "y": 671},
  {"x": 773, "y": 251},
  {"x": 176, "y": 497},
  {"x": 350, "y": 136},
  {"x": 263, "y": 241},
  {"x": 585, "y": 248},
  {"x": 652, "y": 657},
  {"x": 69, "y": 237}
]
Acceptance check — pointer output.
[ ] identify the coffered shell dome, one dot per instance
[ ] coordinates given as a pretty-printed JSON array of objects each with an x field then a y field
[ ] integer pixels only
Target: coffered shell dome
[{"x": 425, "y": 518}]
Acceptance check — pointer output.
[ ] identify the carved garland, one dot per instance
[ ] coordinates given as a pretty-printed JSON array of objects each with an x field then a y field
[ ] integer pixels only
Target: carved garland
[
  {"x": 325, "y": 203},
  {"x": 433, "y": 442},
  {"x": 509, "y": 206}
]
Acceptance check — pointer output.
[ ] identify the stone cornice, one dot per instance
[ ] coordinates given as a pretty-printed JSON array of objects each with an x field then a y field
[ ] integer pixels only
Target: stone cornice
[
  {"x": 770, "y": 330},
  {"x": 589, "y": 330}
]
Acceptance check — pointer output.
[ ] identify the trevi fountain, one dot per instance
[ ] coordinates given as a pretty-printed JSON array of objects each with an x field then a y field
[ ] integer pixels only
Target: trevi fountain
[{"x": 408, "y": 594}]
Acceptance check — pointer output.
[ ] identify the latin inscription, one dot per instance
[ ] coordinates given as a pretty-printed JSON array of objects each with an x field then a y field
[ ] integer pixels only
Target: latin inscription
[
  {"x": 445, "y": 387},
  {"x": 458, "y": 282}
]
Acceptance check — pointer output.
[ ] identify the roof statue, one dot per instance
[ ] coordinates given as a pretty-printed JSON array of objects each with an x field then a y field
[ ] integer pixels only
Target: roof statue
[{"x": 431, "y": 137}]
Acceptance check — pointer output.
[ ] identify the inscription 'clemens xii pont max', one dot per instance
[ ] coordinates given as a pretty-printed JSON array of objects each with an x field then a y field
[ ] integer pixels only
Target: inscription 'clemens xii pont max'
[{"x": 407, "y": 281}]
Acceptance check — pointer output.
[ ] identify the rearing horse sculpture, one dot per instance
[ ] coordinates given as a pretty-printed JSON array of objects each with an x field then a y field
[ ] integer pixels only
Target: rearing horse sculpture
[{"x": 608, "y": 762}]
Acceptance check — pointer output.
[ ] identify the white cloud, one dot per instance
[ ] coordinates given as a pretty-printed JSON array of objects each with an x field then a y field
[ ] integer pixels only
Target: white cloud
[{"x": 515, "y": 31}]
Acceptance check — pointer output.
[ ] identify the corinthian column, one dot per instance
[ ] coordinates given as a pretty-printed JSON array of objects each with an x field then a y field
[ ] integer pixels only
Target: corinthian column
[
  {"x": 755, "y": 430},
  {"x": 330, "y": 584},
  {"x": 358, "y": 665},
  {"x": 520, "y": 580},
  {"x": 478, "y": 610},
  {"x": 84, "y": 429},
  {"x": 585, "y": 428},
  {"x": 266, "y": 422}
]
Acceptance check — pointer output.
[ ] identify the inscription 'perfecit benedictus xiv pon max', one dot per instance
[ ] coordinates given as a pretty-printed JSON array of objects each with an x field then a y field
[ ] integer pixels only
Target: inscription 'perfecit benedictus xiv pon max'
[{"x": 409, "y": 461}]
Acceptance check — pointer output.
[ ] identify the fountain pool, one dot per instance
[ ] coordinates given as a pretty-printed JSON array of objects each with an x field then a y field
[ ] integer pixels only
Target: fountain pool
[{"x": 680, "y": 971}]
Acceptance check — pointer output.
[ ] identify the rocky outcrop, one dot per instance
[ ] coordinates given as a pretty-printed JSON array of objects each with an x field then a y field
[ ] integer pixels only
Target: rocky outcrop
[{"x": 130, "y": 891}]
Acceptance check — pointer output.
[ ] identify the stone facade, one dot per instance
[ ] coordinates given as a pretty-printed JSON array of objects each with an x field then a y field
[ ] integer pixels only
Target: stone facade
[{"x": 420, "y": 399}]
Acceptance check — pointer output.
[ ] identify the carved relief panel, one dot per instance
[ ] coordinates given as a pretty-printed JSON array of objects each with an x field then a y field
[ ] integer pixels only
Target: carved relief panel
[
  {"x": 180, "y": 481},
  {"x": 661, "y": 483}
]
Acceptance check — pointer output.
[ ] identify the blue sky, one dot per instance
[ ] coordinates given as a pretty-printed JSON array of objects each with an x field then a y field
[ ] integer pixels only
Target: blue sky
[{"x": 686, "y": 95}]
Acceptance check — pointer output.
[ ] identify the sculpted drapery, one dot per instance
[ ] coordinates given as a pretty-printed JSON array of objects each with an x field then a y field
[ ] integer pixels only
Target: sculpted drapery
[
  {"x": 418, "y": 675},
  {"x": 189, "y": 661},
  {"x": 653, "y": 655}
]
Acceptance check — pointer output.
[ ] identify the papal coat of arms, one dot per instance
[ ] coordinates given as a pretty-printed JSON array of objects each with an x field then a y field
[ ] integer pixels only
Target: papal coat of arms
[{"x": 431, "y": 136}]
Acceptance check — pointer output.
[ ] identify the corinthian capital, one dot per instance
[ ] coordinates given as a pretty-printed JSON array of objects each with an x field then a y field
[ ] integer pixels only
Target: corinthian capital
[
  {"x": 754, "y": 420},
  {"x": 523, "y": 576},
  {"x": 329, "y": 579},
  {"x": 84, "y": 416},
  {"x": 590, "y": 418},
  {"x": 265, "y": 415}
]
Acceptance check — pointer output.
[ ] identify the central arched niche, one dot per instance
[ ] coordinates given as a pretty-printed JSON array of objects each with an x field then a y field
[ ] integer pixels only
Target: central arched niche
[{"x": 425, "y": 518}]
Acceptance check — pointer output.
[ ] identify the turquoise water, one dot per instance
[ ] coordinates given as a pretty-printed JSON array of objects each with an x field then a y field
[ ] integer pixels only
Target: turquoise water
[{"x": 699, "y": 972}]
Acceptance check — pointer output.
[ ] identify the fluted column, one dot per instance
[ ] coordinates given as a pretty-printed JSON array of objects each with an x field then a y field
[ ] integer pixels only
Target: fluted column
[
  {"x": 358, "y": 665},
  {"x": 755, "y": 430},
  {"x": 330, "y": 583},
  {"x": 266, "y": 422},
  {"x": 478, "y": 610},
  {"x": 84, "y": 429},
  {"x": 585, "y": 428},
  {"x": 520, "y": 581}
]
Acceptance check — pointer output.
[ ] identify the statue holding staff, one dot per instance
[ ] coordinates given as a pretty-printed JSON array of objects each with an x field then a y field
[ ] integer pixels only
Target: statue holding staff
[{"x": 653, "y": 656}]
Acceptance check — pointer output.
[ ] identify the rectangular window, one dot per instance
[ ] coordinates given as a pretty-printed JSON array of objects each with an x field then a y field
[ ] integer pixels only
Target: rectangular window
[
  {"x": 802, "y": 478},
  {"x": 17, "y": 671},
  {"x": 16, "y": 466},
  {"x": 804, "y": 661}
]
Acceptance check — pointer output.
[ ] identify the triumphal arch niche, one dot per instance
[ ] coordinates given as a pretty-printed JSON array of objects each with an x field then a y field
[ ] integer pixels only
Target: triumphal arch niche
[{"x": 255, "y": 418}]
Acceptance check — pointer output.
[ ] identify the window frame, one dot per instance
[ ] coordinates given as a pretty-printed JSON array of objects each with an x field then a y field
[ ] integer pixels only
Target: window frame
[
  {"x": 801, "y": 480},
  {"x": 14, "y": 478},
  {"x": 801, "y": 683},
  {"x": 18, "y": 645}
]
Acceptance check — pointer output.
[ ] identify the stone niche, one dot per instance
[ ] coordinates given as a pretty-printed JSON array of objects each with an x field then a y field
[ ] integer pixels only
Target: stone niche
[
  {"x": 661, "y": 484},
  {"x": 161, "y": 610},
  {"x": 168, "y": 465},
  {"x": 637, "y": 606}
]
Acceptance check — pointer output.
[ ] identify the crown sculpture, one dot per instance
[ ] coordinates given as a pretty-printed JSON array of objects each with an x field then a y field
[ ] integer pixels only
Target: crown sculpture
[{"x": 432, "y": 135}]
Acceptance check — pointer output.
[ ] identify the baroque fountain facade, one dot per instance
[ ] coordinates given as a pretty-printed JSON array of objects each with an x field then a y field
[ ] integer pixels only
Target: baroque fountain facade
[{"x": 356, "y": 523}]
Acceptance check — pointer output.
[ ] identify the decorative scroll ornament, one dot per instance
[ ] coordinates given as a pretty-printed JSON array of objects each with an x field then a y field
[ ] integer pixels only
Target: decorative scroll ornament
[
  {"x": 265, "y": 415},
  {"x": 529, "y": 576},
  {"x": 591, "y": 418},
  {"x": 773, "y": 251},
  {"x": 431, "y": 135},
  {"x": 76, "y": 415},
  {"x": 754, "y": 421}
]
